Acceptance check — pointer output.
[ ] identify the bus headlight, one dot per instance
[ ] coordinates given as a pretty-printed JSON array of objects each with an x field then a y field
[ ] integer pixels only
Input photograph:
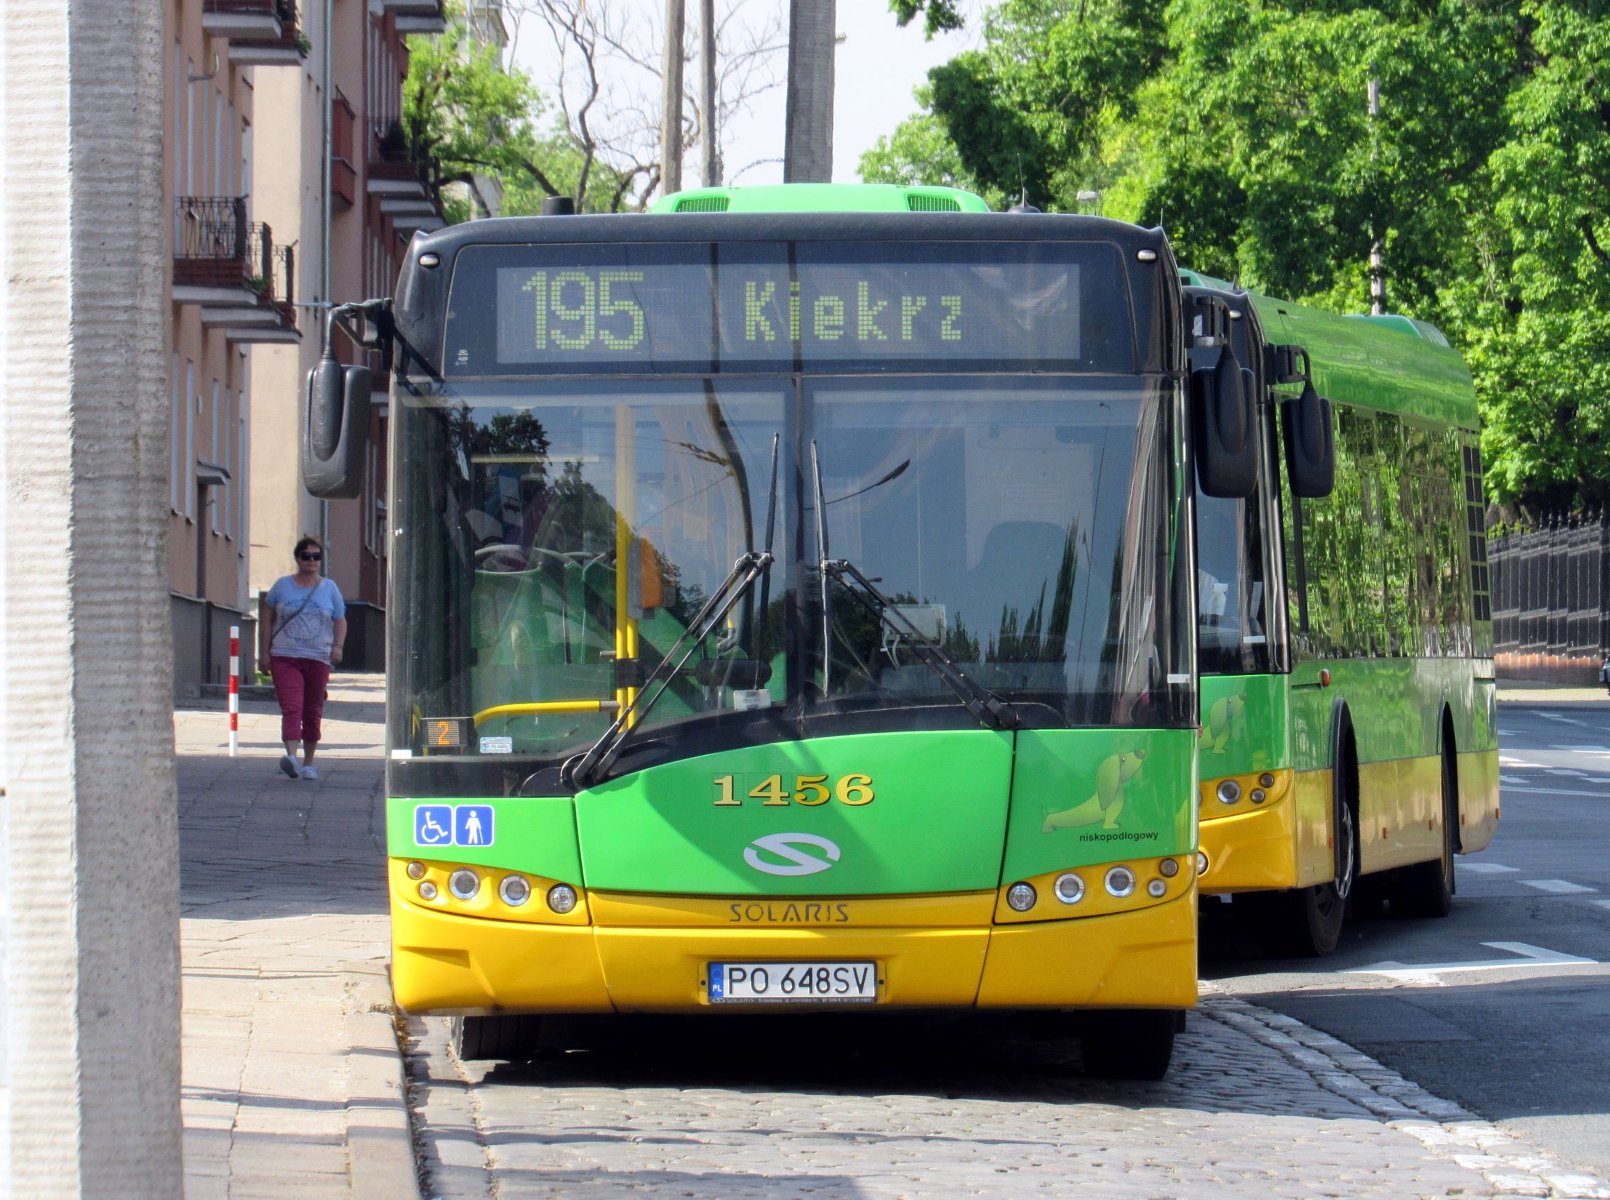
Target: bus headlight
[
  {"x": 1156, "y": 888},
  {"x": 1228, "y": 791},
  {"x": 416, "y": 870},
  {"x": 1168, "y": 868},
  {"x": 1070, "y": 889},
  {"x": 1020, "y": 897},
  {"x": 427, "y": 890},
  {"x": 561, "y": 898},
  {"x": 1120, "y": 881},
  {"x": 464, "y": 883},
  {"x": 515, "y": 890}
]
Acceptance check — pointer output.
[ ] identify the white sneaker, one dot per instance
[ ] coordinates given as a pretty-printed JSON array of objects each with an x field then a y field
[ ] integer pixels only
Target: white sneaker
[
  {"x": 288, "y": 765},
  {"x": 310, "y": 772}
]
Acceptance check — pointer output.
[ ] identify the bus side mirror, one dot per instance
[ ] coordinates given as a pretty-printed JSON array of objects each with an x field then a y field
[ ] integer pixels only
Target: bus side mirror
[
  {"x": 1224, "y": 414},
  {"x": 337, "y": 430},
  {"x": 1310, "y": 438}
]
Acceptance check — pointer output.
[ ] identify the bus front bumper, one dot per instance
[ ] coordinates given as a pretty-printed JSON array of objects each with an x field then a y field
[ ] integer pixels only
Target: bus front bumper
[
  {"x": 445, "y": 963},
  {"x": 1252, "y": 851}
]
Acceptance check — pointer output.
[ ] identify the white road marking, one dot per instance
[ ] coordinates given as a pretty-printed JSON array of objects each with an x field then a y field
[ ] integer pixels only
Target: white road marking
[
  {"x": 1530, "y": 956},
  {"x": 1571, "y": 774},
  {"x": 1560, "y": 887},
  {"x": 1562, "y": 718},
  {"x": 1484, "y": 868},
  {"x": 1515, "y": 785},
  {"x": 1597, "y": 749},
  {"x": 1600, "y": 903}
]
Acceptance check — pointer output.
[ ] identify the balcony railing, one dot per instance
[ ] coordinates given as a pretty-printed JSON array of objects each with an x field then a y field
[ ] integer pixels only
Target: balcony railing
[
  {"x": 231, "y": 266},
  {"x": 211, "y": 228},
  {"x": 281, "y": 42},
  {"x": 245, "y": 18}
]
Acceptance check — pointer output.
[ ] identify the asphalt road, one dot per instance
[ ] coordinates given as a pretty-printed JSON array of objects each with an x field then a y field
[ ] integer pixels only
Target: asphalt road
[{"x": 1503, "y": 1006}]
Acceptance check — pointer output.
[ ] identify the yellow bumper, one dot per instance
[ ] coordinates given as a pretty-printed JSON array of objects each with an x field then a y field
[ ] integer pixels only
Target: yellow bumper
[
  {"x": 445, "y": 963},
  {"x": 1250, "y": 851}
]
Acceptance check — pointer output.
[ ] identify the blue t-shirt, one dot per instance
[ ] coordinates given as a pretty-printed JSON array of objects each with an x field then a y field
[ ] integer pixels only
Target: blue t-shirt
[{"x": 304, "y": 630}]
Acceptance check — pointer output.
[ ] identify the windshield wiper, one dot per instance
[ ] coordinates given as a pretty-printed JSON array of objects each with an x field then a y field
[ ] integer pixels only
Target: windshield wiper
[
  {"x": 587, "y": 768},
  {"x": 979, "y": 700},
  {"x": 984, "y": 704}
]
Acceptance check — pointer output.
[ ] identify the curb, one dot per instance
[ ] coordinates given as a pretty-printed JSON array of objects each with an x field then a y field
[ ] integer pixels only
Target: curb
[{"x": 380, "y": 1140}]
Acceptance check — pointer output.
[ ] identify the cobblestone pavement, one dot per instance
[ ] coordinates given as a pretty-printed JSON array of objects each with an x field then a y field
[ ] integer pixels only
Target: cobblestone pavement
[
  {"x": 293, "y": 1081},
  {"x": 1257, "y": 1105}
]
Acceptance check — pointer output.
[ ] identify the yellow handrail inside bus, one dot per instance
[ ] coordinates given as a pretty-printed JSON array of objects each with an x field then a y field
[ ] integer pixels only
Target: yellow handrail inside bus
[{"x": 543, "y": 706}]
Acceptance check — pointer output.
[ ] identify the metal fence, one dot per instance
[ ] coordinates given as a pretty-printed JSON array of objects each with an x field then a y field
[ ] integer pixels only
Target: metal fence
[
  {"x": 211, "y": 227},
  {"x": 215, "y": 229},
  {"x": 1551, "y": 588}
]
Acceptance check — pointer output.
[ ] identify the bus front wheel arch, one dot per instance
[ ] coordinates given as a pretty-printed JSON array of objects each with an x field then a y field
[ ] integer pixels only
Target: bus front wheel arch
[
  {"x": 1307, "y": 922},
  {"x": 1426, "y": 889}
]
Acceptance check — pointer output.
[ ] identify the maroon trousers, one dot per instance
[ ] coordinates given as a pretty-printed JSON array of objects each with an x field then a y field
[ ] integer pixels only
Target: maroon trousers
[{"x": 299, "y": 686}]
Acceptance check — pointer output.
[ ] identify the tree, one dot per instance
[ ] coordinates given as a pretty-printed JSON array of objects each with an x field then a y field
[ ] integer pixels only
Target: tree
[
  {"x": 920, "y": 151},
  {"x": 1242, "y": 127},
  {"x": 1532, "y": 310},
  {"x": 466, "y": 118},
  {"x": 603, "y": 72},
  {"x": 937, "y": 15}
]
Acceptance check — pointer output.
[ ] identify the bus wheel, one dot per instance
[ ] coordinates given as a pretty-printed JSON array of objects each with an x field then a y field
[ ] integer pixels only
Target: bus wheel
[
  {"x": 1307, "y": 922},
  {"x": 513, "y": 1038},
  {"x": 1129, "y": 1043},
  {"x": 1426, "y": 889}
]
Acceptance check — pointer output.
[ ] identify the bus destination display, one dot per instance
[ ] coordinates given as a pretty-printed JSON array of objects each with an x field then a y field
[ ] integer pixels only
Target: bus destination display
[{"x": 670, "y": 307}]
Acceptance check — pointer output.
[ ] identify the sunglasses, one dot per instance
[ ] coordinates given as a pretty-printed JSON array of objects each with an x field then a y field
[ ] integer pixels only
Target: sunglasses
[{"x": 310, "y": 556}]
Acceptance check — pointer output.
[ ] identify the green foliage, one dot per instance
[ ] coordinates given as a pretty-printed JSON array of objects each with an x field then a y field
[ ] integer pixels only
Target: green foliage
[
  {"x": 920, "y": 152},
  {"x": 1243, "y": 127},
  {"x": 467, "y": 120},
  {"x": 937, "y": 15}
]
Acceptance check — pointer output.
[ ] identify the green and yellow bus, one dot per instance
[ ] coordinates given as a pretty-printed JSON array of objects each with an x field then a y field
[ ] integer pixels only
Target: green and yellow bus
[
  {"x": 792, "y": 607},
  {"x": 1348, "y": 748}
]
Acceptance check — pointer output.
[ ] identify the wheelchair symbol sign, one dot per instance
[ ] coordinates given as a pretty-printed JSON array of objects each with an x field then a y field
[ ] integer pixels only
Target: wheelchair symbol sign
[{"x": 433, "y": 825}]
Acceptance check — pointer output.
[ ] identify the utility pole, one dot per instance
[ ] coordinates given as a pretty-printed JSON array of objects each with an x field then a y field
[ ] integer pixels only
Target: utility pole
[
  {"x": 808, "y": 146},
  {"x": 89, "y": 953},
  {"x": 671, "y": 100},
  {"x": 1377, "y": 239},
  {"x": 707, "y": 58}
]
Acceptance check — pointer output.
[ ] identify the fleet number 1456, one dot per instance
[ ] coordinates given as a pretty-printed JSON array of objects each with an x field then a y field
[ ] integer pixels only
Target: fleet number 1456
[{"x": 854, "y": 790}]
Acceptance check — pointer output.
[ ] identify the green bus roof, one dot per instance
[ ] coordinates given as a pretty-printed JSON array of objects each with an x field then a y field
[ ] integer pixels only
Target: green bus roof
[
  {"x": 1389, "y": 363},
  {"x": 820, "y": 197},
  {"x": 1383, "y": 361}
]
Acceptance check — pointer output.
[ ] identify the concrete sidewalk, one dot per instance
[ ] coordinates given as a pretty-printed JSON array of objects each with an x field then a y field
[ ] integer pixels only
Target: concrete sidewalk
[{"x": 292, "y": 1079}]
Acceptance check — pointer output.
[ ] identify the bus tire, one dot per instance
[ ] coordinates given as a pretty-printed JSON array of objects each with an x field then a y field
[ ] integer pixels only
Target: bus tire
[
  {"x": 1307, "y": 922},
  {"x": 1426, "y": 889},
  {"x": 512, "y": 1038},
  {"x": 1130, "y": 1043}
]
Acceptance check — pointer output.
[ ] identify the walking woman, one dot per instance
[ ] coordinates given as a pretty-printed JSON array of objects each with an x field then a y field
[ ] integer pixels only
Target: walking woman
[{"x": 307, "y": 625}]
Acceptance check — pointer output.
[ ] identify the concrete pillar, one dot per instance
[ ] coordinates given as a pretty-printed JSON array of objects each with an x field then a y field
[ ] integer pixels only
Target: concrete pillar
[
  {"x": 671, "y": 100},
  {"x": 808, "y": 136},
  {"x": 90, "y": 847}
]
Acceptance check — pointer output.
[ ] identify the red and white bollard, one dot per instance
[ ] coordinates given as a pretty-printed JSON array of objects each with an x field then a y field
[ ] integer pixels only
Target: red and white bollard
[{"x": 234, "y": 689}]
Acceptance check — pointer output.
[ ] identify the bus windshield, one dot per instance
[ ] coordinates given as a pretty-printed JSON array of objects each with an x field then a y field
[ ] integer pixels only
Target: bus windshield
[{"x": 563, "y": 535}]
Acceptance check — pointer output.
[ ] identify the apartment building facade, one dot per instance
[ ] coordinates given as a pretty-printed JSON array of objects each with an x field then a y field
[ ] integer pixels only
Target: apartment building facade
[
  {"x": 343, "y": 181},
  {"x": 232, "y": 289},
  {"x": 289, "y": 190}
]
